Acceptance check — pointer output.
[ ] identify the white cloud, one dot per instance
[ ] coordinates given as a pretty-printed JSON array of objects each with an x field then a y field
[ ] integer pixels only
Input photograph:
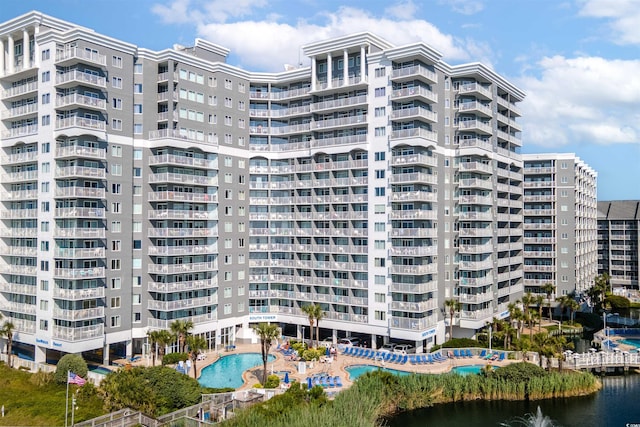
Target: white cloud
[
  {"x": 582, "y": 100},
  {"x": 623, "y": 18},
  {"x": 265, "y": 42},
  {"x": 464, "y": 7}
]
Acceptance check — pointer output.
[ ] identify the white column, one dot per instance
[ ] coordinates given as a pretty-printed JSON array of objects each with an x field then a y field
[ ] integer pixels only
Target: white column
[
  {"x": 10, "y": 56},
  {"x": 105, "y": 355},
  {"x": 329, "y": 74},
  {"x": 314, "y": 78},
  {"x": 40, "y": 354},
  {"x": 26, "y": 50},
  {"x": 36, "y": 53},
  {"x": 346, "y": 67},
  {"x": 363, "y": 60},
  {"x": 129, "y": 347},
  {"x": 1, "y": 57}
]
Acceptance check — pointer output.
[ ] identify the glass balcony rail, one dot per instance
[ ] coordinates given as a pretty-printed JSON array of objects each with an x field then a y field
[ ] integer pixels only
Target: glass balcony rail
[
  {"x": 422, "y": 196},
  {"x": 182, "y": 232},
  {"x": 413, "y": 92},
  {"x": 414, "y": 232},
  {"x": 414, "y": 214},
  {"x": 163, "y": 196},
  {"x": 181, "y": 178},
  {"x": 82, "y": 333},
  {"x": 23, "y": 325},
  {"x": 182, "y": 268},
  {"x": 78, "y": 294},
  {"x": 421, "y": 159},
  {"x": 421, "y": 177},
  {"x": 183, "y": 286},
  {"x": 81, "y": 172},
  {"x": 426, "y": 134},
  {"x": 475, "y": 106},
  {"x": 20, "y": 90},
  {"x": 338, "y": 103},
  {"x": 20, "y": 131},
  {"x": 411, "y": 288},
  {"x": 26, "y": 251},
  {"x": 197, "y": 320},
  {"x": 18, "y": 288},
  {"x": 339, "y": 122},
  {"x": 79, "y": 233},
  {"x": 172, "y": 159},
  {"x": 416, "y": 270},
  {"x": 71, "y": 53},
  {"x": 414, "y": 70},
  {"x": 80, "y": 212},
  {"x": 478, "y": 125},
  {"x": 182, "y": 214},
  {"x": 79, "y": 273},
  {"x": 476, "y": 265},
  {"x": 413, "y": 251},
  {"x": 471, "y": 88},
  {"x": 19, "y": 213},
  {"x": 23, "y": 110},
  {"x": 182, "y": 304},
  {"x": 415, "y": 112},
  {"x": 182, "y": 250},
  {"x": 82, "y": 314},
  {"x": 475, "y": 167},
  {"x": 476, "y": 281},
  {"x": 419, "y": 307},
  {"x": 18, "y": 307},
  {"x": 80, "y": 192},
  {"x": 475, "y": 216},
  {"x": 75, "y": 100},
  {"x": 74, "y": 77},
  {"x": 81, "y": 122},
  {"x": 19, "y": 232},
  {"x": 79, "y": 252},
  {"x": 413, "y": 324}
]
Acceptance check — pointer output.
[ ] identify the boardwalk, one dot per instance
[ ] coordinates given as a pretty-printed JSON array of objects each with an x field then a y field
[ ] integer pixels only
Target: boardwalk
[{"x": 603, "y": 360}]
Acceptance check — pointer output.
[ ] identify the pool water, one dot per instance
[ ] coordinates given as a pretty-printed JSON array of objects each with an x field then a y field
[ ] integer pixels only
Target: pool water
[
  {"x": 355, "y": 371},
  {"x": 100, "y": 370},
  {"x": 227, "y": 371},
  {"x": 631, "y": 341},
  {"x": 467, "y": 370}
]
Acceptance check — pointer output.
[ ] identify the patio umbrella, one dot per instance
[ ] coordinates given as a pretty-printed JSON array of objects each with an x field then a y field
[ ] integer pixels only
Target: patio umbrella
[
  {"x": 327, "y": 352},
  {"x": 309, "y": 383},
  {"x": 286, "y": 377}
]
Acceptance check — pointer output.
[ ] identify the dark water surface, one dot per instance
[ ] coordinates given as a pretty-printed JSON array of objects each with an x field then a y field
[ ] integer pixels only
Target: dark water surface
[{"x": 617, "y": 404}]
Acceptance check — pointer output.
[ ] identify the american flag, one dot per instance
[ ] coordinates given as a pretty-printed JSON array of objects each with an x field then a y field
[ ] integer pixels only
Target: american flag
[{"x": 76, "y": 379}]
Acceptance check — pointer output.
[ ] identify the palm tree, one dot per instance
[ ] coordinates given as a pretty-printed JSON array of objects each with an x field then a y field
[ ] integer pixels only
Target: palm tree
[
  {"x": 598, "y": 291},
  {"x": 196, "y": 344},
  {"x": 454, "y": 306},
  {"x": 319, "y": 314},
  {"x": 313, "y": 312},
  {"x": 527, "y": 301},
  {"x": 539, "y": 300},
  {"x": 8, "y": 328},
  {"x": 154, "y": 340},
  {"x": 164, "y": 338},
  {"x": 181, "y": 329},
  {"x": 562, "y": 301},
  {"x": 548, "y": 289},
  {"x": 516, "y": 315},
  {"x": 267, "y": 333},
  {"x": 573, "y": 306}
]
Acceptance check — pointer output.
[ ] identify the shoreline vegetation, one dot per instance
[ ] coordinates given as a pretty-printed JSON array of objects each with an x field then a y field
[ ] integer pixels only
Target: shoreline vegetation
[{"x": 378, "y": 395}]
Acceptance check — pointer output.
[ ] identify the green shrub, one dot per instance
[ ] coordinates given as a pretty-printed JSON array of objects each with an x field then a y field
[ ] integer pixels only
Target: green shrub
[
  {"x": 70, "y": 363},
  {"x": 41, "y": 378},
  {"x": 299, "y": 347},
  {"x": 273, "y": 381},
  {"x": 173, "y": 358},
  {"x": 618, "y": 302},
  {"x": 312, "y": 354},
  {"x": 517, "y": 372},
  {"x": 461, "y": 343}
]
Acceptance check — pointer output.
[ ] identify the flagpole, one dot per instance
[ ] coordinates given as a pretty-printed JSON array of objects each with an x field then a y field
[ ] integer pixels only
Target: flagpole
[{"x": 66, "y": 402}]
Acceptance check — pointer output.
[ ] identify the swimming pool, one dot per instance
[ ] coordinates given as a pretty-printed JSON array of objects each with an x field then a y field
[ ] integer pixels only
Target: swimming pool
[
  {"x": 99, "y": 370},
  {"x": 355, "y": 371},
  {"x": 467, "y": 370},
  {"x": 226, "y": 372},
  {"x": 635, "y": 342}
]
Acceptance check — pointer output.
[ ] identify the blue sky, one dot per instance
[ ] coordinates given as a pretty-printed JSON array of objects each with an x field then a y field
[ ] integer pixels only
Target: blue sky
[{"x": 577, "y": 60}]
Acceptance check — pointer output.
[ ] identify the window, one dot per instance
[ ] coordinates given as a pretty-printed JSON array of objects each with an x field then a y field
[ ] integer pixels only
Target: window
[
  {"x": 379, "y": 280},
  {"x": 380, "y": 156},
  {"x": 44, "y": 245},
  {"x": 228, "y": 259},
  {"x": 137, "y": 172},
  {"x": 115, "y": 321},
  {"x": 137, "y": 128},
  {"x": 137, "y": 88},
  {"x": 381, "y": 131},
  {"x": 380, "y": 191},
  {"x": 44, "y": 226},
  {"x": 116, "y": 188},
  {"x": 564, "y": 250},
  {"x": 116, "y": 124},
  {"x": 116, "y": 227},
  {"x": 564, "y": 193},
  {"x": 116, "y": 282},
  {"x": 137, "y": 69},
  {"x": 44, "y": 187},
  {"x": 380, "y": 315},
  {"x": 213, "y": 82},
  {"x": 46, "y": 120},
  {"x": 379, "y": 226},
  {"x": 380, "y": 72},
  {"x": 116, "y": 82},
  {"x": 116, "y": 150},
  {"x": 564, "y": 165},
  {"x": 116, "y": 169},
  {"x": 116, "y": 61},
  {"x": 380, "y": 111},
  {"x": 228, "y": 178},
  {"x": 116, "y": 245},
  {"x": 46, "y": 98},
  {"x": 228, "y": 244},
  {"x": 46, "y": 76},
  {"x": 137, "y": 299},
  {"x": 137, "y": 244},
  {"x": 380, "y": 91},
  {"x": 379, "y": 262},
  {"x": 379, "y": 244},
  {"x": 44, "y": 265},
  {"x": 116, "y": 207},
  {"x": 241, "y": 242},
  {"x": 115, "y": 302},
  {"x": 44, "y": 285},
  {"x": 564, "y": 180},
  {"x": 46, "y": 167},
  {"x": 44, "y": 325},
  {"x": 115, "y": 264},
  {"x": 136, "y": 227},
  {"x": 45, "y": 147},
  {"x": 564, "y": 208},
  {"x": 46, "y": 54},
  {"x": 44, "y": 207},
  {"x": 137, "y": 108},
  {"x": 228, "y": 84},
  {"x": 380, "y": 173},
  {"x": 564, "y": 236},
  {"x": 241, "y": 259},
  {"x": 227, "y": 309},
  {"x": 241, "y": 105},
  {"x": 117, "y": 103},
  {"x": 227, "y": 292},
  {"x": 228, "y": 276},
  {"x": 379, "y": 209},
  {"x": 137, "y": 317}
]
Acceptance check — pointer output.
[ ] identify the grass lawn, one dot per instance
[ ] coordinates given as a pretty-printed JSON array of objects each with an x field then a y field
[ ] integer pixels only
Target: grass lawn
[{"x": 28, "y": 404}]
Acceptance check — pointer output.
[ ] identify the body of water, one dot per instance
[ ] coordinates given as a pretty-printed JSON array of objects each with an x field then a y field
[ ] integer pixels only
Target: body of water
[
  {"x": 613, "y": 406},
  {"x": 227, "y": 371},
  {"x": 355, "y": 371},
  {"x": 466, "y": 370}
]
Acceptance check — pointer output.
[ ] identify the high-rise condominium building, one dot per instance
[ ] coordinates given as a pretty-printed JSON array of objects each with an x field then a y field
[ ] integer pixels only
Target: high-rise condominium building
[
  {"x": 560, "y": 223},
  {"x": 618, "y": 242},
  {"x": 143, "y": 187}
]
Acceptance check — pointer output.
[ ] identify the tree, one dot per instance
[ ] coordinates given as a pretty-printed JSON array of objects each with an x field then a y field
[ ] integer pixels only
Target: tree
[
  {"x": 548, "y": 289},
  {"x": 267, "y": 333},
  {"x": 314, "y": 313},
  {"x": 181, "y": 329},
  {"x": 517, "y": 316},
  {"x": 70, "y": 362},
  {"x": 527, "y": 301},
  {"x": 573, "y": 306},
  {"x": 165, "y": 338},
  {"x": 539, "y": 300},
  {"x": 154, "y": 340},
  {"x": 8, "y": 328},
  {"x": 196, "y": 344},
  {"x": 598, "y": 292},
  {"x": 563, "y": 302},
  {"x": 319, "y": 316},
  {"x": 454, "y": 306}
]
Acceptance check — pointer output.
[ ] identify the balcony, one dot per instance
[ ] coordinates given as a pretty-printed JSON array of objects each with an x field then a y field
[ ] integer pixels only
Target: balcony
[
  {"x": 413, "y": 251},
  {"x": 76, "y": 126},
  {"x": 18, "y": 158},
  {"x": 80, "y": 172},
  {"x": 483, "y": 248},
  {"x": 402, "y": 135},
  {"x": 26, "y": 251},
  {"x": 18, "y": 307},
  {"x": 197, "y": 320},
  {"x": 176, "y": 160},
  {"x": 476, "y": 281},
  {"x": 182, "y": 250},
  {"x": 180, "y": 178},
  {"x": 75, "y": 78},
  {"x": 182, "y": 268},
  {"x": 78, "y": 294},
  {"x": 73, "y": 55},
  {"x": 80, "y": 192},
  {"x": 179, "y": 196},
  {"x": 75, "y": 100},
  {"x": 20, "y": 195},
  {"x": 20, "y": 131},
  {"x": 339, "y": 103},
  {"x": 291, "y": 93},
  {"x": 476, "y": 232},
  {"x": 474, "y": 125},
  {"x": 23, "y": 325},
  {"x": 169, "y": 136},
  {"x": 79, "y": 273},
  {"x": 20, "y": 90},
  {"x": 290, "y": 129},
  {"x": 476, "y": 265},
  {"x": 80, "y": 212},
  {"x": 475, "y": 298},
  {"x": 420, "y": 196},
  {"x": 23, "y": 110},
  {"x": 77, "y": 334},
  {"x": 414, "y": 71},
  {"x": 475, "y": 167},
  {"x": 182, "y": 214},
  {"x": 410, "y": 114},
  {"x": 419, "y": 177},
  {"x": 18, "y": 288},
  {"x": 410, "y": 288},
  {"x": 484, "y": 184},
  {"x": 475, "y": 89},
  {"x": 415, "y": 92},
  {"x": 182, "y": 232},
  {"x": 415, "y": 270},
  {"x": 340, "y": 122},
  {"x": 73, "y": 151},
  {"x": 77, "y": 253},
  {"x": 182, "y": 304},
  {"x": 183, "y": 286},
  {"x": 475, "y": 216},
  {"x": 474, "y": 199},
  {"x": 413, "y": 324},
  {"x": 475, "y": 107},
  {"x": 19, "y": 232},
  {"x": 414, "y": 214}
]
